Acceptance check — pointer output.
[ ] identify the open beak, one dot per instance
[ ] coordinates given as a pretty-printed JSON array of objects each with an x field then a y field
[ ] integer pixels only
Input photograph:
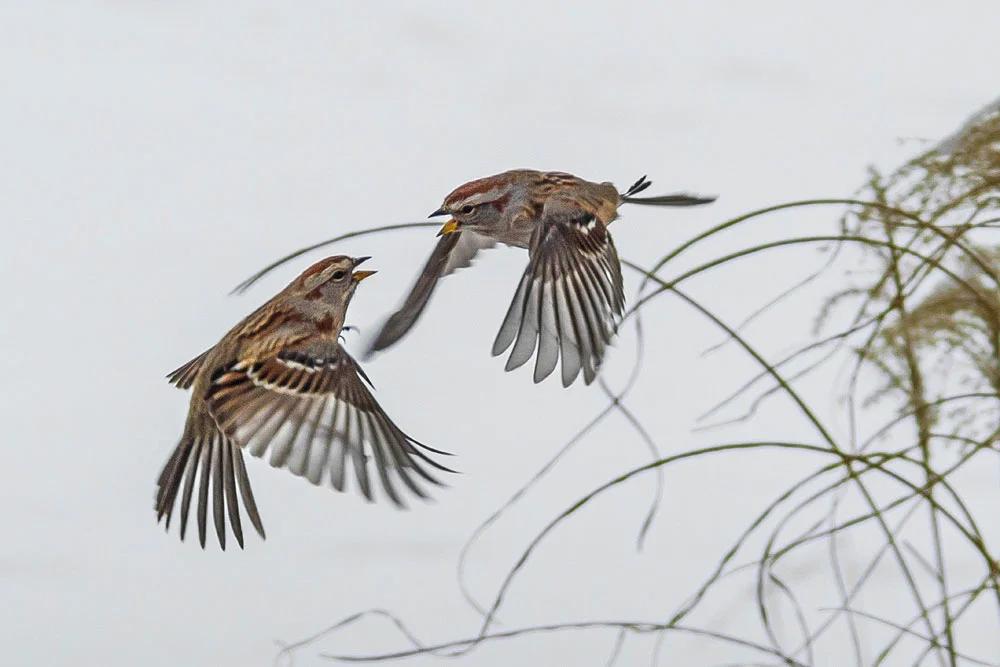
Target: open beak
[
  {"x": 360, "y": 260},
  {"x": 449, "y": 227},
  {"x": 358, "y": 276},
  {"x": 438, "y": 212}
]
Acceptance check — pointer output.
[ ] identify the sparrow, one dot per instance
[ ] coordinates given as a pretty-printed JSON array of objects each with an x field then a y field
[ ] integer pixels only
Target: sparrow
[
  {"x": 280, "y": 381},
  {"x": 570, "y": 299}
]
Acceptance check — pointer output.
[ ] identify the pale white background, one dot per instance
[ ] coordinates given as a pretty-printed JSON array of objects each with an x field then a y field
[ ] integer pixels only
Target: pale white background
[{"x": 154, "y": 154}]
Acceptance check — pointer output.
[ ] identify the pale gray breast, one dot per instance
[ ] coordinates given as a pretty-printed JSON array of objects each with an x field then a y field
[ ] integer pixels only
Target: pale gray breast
[{"x": 517, "y": 233}]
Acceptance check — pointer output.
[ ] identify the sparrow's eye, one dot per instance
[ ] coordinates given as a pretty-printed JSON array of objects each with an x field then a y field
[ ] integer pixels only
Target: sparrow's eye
[
  {"x": 339, "y": 275},
  {"x": 467, "y": 209}
]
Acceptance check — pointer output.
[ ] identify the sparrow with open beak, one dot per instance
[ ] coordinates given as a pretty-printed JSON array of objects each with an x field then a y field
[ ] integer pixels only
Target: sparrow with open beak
[
  {"x": 570, "y": 298},
  {"x": 279, "y": 381}
]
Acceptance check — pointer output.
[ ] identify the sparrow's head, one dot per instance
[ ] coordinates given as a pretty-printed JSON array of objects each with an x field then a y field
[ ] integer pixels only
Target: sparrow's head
[
  {"x": 482, "y": 204},
  {"x": 332, "y": 280}
]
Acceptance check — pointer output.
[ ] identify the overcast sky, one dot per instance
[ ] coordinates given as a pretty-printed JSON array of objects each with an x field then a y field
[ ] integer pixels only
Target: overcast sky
[{"x": 154, "y": 154}]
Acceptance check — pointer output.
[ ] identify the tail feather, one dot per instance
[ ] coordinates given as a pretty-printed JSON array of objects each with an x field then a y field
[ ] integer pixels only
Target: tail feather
[
  {"x": 217, "y": 463},
  {"x": 229, "y": 483},
  {"x": 636, "y": 187},
  {"x": 677, "y": 199},
  {"x": 190, "y": 472}
]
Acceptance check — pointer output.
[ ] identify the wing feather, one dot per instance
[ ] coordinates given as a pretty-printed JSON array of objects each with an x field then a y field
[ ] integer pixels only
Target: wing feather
[
  {"x": 311, "y": 410},
  {"x": 183, "y": 377},
  {"x": 512, "y": 321},
  {"x": 452, "y": 252},
  {"x": 569, "y": 300}
]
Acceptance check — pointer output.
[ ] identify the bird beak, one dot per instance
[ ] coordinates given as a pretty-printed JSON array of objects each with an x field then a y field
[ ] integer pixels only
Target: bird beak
[
  {"x": 440, "y": 211},
  {"x": 449, "y": 227},
  {"x": 358, "y": 276},
  {"x": 360, "y": 260}
]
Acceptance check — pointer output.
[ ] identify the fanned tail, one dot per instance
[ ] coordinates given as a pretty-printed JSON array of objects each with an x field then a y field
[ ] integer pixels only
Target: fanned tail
[
  {"x": 677, "y": 199},
  {"x": 207, "y": 454}
]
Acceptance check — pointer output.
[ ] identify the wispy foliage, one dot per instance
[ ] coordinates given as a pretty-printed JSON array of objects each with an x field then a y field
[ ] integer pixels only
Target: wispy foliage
[
  {"x": 945, "y": 205},
  {"x": 923, "y": 308}
]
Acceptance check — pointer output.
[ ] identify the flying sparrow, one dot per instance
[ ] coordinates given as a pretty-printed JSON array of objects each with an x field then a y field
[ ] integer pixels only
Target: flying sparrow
[
  {"x": 570, "y": 299},
  {"x": 280, "y": 381}
]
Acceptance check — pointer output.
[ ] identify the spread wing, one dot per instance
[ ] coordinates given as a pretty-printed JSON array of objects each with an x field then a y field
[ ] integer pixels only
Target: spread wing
[
  {"x": 311, "y": 409},
  {"x": 183, "y": 377},
  {"x": 452, "y": 252},
  {"x": 570, "y": 297}
]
